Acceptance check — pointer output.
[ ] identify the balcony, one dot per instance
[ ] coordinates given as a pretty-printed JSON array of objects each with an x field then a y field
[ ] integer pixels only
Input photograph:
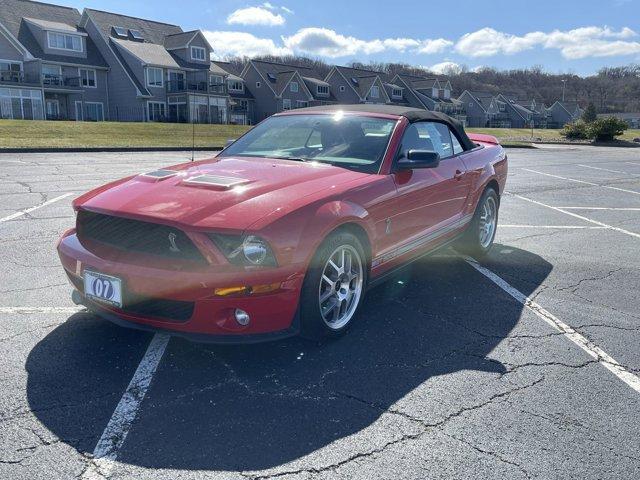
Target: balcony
[
  {"x": 195, "y": 86},
  {"x": 19, "y": 78},
  {"x": 59, "y": 81}
]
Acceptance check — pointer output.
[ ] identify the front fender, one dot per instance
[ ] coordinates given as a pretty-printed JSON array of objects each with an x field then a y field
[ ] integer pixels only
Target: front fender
[{"x": 297, "y": 236}]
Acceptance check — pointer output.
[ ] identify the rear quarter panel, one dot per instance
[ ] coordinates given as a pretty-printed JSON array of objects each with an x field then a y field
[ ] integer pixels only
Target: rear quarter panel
[{"x": 484, "y": 164}]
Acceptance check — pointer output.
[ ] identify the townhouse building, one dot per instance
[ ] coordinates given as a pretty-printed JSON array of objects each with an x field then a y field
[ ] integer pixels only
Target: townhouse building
[
  {"x": 431, "y": 94},
  {"x": 50, "y": 68},
  {"x": 158, "y": 71},
  {"x": 475, "y": 105},
  {"x": 356, "y": 85},
  {"x": 279, "y": 86}
]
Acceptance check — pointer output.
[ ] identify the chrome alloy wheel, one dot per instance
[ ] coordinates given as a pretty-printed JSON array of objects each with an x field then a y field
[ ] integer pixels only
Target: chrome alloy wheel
[
  {"x": 488, "y": 221},
  {"x": 340, "y": 286}
]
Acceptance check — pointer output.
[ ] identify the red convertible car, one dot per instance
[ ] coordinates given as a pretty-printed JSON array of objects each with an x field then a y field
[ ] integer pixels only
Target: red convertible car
[{"x": 285, "y": 229}]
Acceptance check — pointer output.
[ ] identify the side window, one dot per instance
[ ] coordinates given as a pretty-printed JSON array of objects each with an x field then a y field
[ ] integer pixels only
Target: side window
[
  {"x": 431, "y": 136},
  {"x": 457, "y": 148}
]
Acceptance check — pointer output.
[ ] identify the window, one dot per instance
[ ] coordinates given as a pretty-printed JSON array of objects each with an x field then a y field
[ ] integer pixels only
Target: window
[
  {"x": 51, "y": 74},
  {"x": 94, "y": 111},
  {"x": 301, "y": 103},
  {"x": 21, "y": 104},
  {"x": 155, "y": 111},
  {"x": 10, "y": 71},
  {"x": 375, "y": 92},
  {"x": 352, "y": 141},
  {"x": 431, "y": 136},
  {"x": 286, "y": 104},
  {"x": 215, "y": 80},
  {"x": 396, "y": 93},
  {"x": 120, "y": 32},
  {"x": 136, "y": 35},
  {"x": 63, "y": 41},
  {"x": 154, "y": 77},
  {"x": 258, "y": 84},
  {"x": 87, "y": 77},
  {"x": 236, "y": 85},
  {"x": 322, "y": 89},
  {"x": 294, "y": 87},
  {"x": 341, "y": 88},
  {"x": 471, "y": 104},
  {"x": 457, "y": 148},
  {"x": 198, "y": 53}
]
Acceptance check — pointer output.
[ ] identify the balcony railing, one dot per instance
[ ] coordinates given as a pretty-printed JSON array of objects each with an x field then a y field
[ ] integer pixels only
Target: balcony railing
[
  {"x": 60, "y": 81},
  {"x": 194, "y": 86},
  {"x": 10, "y": 76}
]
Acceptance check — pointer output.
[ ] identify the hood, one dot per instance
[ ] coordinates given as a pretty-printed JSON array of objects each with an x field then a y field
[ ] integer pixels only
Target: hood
[{"x": 226, "y": 193}]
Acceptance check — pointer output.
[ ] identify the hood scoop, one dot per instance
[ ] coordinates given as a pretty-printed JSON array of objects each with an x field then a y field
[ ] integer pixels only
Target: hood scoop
[
  {"x": 159, "y": 174},
  {"x": 215, "y": 181}
]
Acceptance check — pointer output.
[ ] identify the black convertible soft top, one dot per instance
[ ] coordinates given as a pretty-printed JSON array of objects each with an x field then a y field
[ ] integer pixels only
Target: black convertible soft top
[{"x": 411, "y": 113}]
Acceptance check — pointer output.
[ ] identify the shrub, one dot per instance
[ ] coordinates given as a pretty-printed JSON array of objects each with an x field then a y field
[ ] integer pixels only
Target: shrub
[
  {"x": 575, "y": 131},
  {"x": 589, "y": 115},
  {"x": 606, "y": 129}
]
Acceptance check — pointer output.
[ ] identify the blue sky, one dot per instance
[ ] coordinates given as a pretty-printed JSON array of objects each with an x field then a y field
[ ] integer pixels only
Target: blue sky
[{"x": 561, "y": 36}]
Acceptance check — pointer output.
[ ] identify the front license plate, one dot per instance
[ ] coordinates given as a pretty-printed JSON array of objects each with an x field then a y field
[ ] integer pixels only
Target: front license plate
[{"x": 103, "y": 288}]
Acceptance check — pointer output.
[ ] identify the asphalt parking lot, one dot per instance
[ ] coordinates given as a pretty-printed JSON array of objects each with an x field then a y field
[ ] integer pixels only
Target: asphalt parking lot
[{"x": 523, "y": 367}]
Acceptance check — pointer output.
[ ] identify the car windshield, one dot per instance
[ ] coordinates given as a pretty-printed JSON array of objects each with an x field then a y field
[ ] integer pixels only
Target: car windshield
[{"x": 356, "y": 142}]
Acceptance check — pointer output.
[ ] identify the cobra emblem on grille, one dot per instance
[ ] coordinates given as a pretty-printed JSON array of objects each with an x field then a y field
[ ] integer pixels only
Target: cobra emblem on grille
[{"x": 172, "y": 243}]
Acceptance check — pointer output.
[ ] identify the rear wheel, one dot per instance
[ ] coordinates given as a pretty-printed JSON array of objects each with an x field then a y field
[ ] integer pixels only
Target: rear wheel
[
  {"x": 333, "y": 287},
  {"x": 478, "y": 239}
]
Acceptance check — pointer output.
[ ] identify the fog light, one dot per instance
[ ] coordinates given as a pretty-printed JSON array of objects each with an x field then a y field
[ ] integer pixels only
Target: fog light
[{"x": 242, "y": 317}]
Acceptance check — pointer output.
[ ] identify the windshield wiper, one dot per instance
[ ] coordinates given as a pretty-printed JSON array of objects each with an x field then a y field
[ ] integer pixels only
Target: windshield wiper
[{"x": 295, "y": 159}]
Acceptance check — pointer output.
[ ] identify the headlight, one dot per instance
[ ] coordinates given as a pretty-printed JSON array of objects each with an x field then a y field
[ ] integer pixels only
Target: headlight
[{"x": 246, "y": 251}]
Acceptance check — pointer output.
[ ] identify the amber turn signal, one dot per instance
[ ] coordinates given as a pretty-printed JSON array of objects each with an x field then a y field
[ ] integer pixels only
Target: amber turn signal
[{"x": 246, "y": 290}]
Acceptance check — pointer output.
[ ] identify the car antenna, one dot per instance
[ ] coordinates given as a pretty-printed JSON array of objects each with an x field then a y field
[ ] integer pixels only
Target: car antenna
[{"x": 193, "y": 139}]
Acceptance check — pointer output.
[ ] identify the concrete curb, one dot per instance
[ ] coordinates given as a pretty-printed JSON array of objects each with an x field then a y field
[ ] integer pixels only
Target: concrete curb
[{"x": 108, "y": 149}]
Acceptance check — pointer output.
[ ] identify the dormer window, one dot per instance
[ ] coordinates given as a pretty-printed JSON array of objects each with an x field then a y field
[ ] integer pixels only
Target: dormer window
[
  {"x": 198, "y": 53},
  {"x": 294, "y": 87},
  {"x": 136, "y": 35},
  {"x": 375, "y": 92},
  {"x": 322, "y": 89},
  {"x": 64, "y": 41},
  {"x": 236, "y": 85},
  {"x": 396, "y": 93},
  {"x": 120, "y": 32}
]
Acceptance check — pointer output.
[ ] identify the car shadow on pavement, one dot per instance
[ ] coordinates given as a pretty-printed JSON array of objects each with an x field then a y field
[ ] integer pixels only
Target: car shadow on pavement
[{"x": 258, "y": 406}]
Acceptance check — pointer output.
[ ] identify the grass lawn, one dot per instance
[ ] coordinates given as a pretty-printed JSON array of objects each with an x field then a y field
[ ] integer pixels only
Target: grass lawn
[
  {"x": 28, "y": 133},
  {"x": 515, "y": 136}
]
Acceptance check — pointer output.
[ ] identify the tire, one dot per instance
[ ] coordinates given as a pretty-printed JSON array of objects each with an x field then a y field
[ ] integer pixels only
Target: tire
[
  {"x": 478, "y": 238},
  {"x": 331, "y": 295}
]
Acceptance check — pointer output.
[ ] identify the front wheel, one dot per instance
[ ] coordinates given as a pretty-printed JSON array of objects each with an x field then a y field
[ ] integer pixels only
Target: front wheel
[
  {"x": 478, "y": 239},
  {"x": 333, "y": 287}
]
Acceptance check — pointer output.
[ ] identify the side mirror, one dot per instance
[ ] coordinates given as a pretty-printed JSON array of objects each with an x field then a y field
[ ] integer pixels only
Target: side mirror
[
  {"x": 228, "y": 143},
  {"x": 419, "y": 159}
]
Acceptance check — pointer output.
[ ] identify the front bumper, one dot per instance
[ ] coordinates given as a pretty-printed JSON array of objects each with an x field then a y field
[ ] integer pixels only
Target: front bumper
[{"x": 209, "y": 317}]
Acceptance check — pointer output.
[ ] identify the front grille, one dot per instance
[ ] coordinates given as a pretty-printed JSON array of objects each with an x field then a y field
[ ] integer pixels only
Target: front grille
[{"x": 135, "y": 236}]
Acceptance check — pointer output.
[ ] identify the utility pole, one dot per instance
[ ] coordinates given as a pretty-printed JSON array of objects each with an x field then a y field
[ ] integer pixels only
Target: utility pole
[{"x": 564, "y": 83}]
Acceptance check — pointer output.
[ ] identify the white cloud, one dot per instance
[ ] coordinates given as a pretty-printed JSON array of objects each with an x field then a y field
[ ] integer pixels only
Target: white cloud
[
  {"x": 445, "y": 68},
  {"x": 256, "y": 16},
  {"x": 242, "y": 44},
  {"x": 573, "y": 44},
  {"x": 286, "y": 10},
  {"x": 329, "y": 43}
]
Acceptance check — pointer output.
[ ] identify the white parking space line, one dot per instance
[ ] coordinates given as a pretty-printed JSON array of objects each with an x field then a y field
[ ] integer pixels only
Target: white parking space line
[
  {"x": 582, "y": 181},
  {"x": 116, "y": 431},
  {"x": 606, "y": 360},
  {"x": 31, "y": 209},
  {"x": 621, "y": 209},
  {"x": 603, "y": 169},
  {"x": 27, "y": 310},
  {"x": 575, "y": 215},
  {"x": 552, "y": 226}
]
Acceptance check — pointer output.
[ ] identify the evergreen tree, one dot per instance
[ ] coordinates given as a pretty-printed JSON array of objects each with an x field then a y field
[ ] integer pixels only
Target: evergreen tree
[{"x": 589, "y": 115}]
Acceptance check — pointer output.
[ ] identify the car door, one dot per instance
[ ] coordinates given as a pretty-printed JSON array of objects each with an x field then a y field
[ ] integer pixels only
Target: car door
[{"x": 429, "y": 200}]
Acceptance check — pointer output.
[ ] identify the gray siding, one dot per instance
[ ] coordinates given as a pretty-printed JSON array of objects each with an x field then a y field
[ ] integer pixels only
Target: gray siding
[
  {"x": 336, "y": 81},
  {"x": 8, "y": 51},
  {"x": 122, "y": 93},
  {"x": 476, "y": 116},
  {"x": 266, "y": 103}
]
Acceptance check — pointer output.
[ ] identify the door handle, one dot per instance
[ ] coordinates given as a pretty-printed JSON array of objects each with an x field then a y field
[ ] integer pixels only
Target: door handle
[{"x": 458, "y": 175}]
